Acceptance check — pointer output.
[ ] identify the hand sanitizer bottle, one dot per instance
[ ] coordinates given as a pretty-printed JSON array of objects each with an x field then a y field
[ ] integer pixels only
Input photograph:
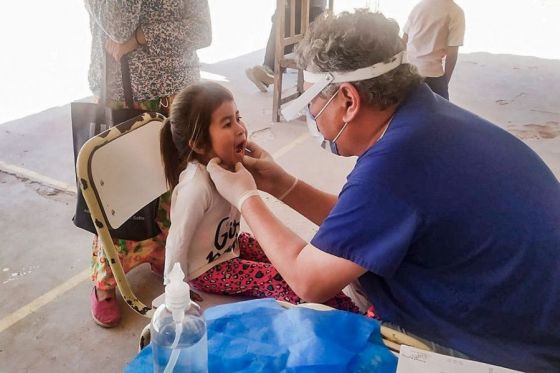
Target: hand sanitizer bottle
[{"x": 178, "y": 330}]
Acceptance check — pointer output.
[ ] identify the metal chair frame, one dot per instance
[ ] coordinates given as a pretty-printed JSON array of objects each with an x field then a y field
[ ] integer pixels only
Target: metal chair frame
[{"x": 109, "y": 168}]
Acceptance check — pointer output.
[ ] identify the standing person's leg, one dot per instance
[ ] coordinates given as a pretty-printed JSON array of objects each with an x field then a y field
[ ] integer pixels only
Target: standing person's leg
[
  {"x": 263, "y": 75},
  {"x": 270, "y": 46},
  {"x": 104, "y": 306},
  {"x": 314, "y": 12},
  {"x": 438, "y": 85}
]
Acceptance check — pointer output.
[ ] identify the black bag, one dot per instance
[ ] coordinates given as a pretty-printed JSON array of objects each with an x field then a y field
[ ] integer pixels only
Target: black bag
[{"x": 90, "y": 119}]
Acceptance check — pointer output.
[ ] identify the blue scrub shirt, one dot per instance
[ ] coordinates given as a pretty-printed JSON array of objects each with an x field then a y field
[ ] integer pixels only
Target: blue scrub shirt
[{"x": 458, "y": 225}]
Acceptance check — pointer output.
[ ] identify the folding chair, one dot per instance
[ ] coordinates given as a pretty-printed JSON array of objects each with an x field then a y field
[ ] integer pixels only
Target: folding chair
[{"x": 120, "y": 171}]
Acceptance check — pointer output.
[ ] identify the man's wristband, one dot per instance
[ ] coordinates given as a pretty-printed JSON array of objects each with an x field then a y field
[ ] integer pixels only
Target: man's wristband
[{"x": 281, "y": 198}]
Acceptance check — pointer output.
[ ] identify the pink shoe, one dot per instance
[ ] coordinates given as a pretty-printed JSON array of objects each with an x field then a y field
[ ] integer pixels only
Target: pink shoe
[{"x": 106, "y": 312}]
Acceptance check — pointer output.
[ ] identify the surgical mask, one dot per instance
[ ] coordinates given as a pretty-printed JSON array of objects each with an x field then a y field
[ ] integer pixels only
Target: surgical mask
[
  {"x": 316, "y": 134},
  {"x": 318, "y": 137}
]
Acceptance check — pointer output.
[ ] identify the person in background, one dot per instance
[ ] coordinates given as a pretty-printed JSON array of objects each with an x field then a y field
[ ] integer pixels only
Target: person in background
[
  {"x": 433, "y": 33},
  {"x": 450, "y": 223},
  {"x": 263, "y": 75},
  {"x": 160, "y": 38},
  {"x": 204, "y": 235}
]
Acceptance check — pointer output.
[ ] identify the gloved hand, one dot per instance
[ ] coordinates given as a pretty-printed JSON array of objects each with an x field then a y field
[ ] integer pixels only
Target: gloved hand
[
  {"x": 235, "y": 186},
  {"x": 269, "y": 176}
]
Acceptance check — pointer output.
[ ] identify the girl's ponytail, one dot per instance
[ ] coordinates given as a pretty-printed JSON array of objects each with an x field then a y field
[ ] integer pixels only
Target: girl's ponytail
[{"x": 170, "y": 155}]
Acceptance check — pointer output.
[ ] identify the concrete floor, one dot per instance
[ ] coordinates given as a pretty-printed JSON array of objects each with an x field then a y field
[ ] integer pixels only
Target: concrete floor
[{"x": 45, "y": 324}]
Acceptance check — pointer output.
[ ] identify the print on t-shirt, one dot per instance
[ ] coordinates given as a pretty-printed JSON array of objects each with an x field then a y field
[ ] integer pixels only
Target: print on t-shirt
[{"x": 225, "y": 239}]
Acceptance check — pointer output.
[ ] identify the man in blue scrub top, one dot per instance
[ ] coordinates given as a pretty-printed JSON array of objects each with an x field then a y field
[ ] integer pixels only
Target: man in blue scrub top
[{"x": 450, "y": 224}]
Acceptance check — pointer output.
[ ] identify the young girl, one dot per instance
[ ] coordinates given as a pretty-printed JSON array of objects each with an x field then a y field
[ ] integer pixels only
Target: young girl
[{"x": 204, "y": 235}]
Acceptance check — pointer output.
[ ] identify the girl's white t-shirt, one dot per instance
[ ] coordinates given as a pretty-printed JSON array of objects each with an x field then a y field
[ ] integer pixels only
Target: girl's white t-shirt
[{"x": 204, "y": 226}]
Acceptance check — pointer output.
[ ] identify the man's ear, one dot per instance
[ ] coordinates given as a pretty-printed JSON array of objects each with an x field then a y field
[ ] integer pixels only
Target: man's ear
[
  {"x": 352, "y": 101},
  {"x": 200, "y": 150}
]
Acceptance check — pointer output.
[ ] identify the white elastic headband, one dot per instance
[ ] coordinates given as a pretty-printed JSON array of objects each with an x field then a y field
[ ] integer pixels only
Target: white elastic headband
[{"x": 322, "y": 80}]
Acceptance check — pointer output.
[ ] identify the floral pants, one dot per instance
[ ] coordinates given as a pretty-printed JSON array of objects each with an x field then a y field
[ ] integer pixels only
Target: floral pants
[
  {"x": 252, "y": 275},
  {"x": 133, "y": 253}
]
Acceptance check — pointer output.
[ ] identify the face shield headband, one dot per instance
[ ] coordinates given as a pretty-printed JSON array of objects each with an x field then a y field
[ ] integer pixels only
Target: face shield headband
[{"x": 321, "y": 80}]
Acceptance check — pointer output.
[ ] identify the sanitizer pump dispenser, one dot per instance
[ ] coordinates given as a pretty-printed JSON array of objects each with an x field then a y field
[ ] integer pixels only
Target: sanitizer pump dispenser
[{"x": 178, "y": 330}]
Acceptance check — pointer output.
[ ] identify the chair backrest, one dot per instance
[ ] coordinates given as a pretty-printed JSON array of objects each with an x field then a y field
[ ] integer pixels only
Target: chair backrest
[
  {"x": 120, "y": 171},
  {"x": 127, "y": 170},
  {"x": 292, "y": 21}
]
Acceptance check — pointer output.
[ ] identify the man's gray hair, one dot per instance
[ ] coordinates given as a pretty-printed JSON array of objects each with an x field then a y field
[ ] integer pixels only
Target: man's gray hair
[{"x": 349, "y": 41}]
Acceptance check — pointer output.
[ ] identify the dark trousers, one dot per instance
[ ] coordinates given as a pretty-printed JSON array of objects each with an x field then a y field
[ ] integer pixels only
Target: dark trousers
[
  {"x": 439, "y": 85},
  {"x": 314, "y": 12}
]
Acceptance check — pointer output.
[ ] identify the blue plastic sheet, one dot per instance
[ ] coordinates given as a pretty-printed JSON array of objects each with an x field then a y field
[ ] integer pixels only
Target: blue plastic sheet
[{"x": 260, "y": 335}]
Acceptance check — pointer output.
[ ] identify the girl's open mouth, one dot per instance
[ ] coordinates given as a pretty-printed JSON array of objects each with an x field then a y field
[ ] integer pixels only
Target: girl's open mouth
[{"x": 240, "y": 148}]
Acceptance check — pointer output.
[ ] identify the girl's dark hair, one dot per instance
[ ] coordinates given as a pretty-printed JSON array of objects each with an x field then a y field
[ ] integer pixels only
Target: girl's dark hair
[{"x": 188, "y": 123}]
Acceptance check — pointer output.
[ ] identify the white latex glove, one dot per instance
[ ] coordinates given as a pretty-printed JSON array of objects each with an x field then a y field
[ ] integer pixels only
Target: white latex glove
[
  {"x": 268, "y": 174},
  {"x": 237, "y": 186}
]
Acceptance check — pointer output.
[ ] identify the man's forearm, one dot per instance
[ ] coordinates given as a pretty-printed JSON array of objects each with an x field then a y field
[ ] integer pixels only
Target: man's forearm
[
  {"x": 311, "y": 273},
  {"x": 310, "y": 202}
]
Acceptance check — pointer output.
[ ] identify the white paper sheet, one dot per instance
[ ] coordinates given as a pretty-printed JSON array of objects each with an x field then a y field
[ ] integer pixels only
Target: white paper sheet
[{"x": 413, "y": 360}]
